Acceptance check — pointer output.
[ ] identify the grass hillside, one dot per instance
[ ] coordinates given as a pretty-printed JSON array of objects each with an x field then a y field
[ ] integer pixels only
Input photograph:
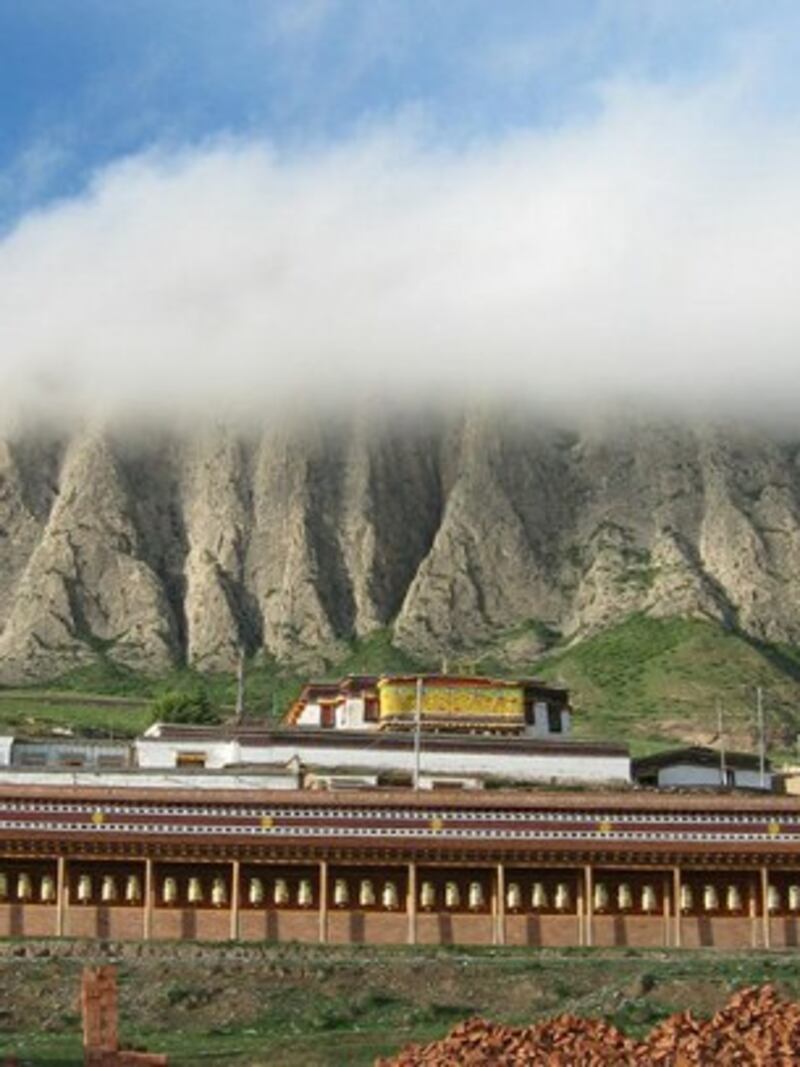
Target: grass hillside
[
  {"x": 341, "y": 1006},
  {"x": 657, "y": 681},
  {"x": 652, "y": 682}
]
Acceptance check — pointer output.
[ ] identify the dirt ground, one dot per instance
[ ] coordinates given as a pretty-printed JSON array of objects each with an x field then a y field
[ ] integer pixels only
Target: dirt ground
[{"x": 329, "y": 1007}]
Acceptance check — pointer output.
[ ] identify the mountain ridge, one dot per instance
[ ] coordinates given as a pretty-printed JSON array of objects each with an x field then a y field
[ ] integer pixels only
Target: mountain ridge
[{"x": 157, "y": 548}]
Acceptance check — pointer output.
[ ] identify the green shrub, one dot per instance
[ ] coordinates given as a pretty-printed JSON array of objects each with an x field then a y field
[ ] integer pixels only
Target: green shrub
[{"x": 185, "y": 706}]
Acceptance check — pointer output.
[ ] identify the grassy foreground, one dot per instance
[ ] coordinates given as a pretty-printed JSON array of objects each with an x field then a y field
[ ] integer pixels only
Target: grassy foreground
[{"x": 289, "y": 1006}]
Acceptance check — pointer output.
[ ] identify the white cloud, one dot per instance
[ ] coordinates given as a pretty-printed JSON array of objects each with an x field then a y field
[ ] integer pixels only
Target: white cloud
[{"x": 651, "y": 252}]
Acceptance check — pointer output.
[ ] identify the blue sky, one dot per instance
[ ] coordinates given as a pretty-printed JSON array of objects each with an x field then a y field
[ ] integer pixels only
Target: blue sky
[
  {"x": 83, "y": 82},
  {"x": 238, "y": 202}
]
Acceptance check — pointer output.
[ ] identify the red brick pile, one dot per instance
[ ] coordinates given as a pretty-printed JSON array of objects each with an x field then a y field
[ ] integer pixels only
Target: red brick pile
[
  {"x": 754, "y": 1029},
  {"x": 99, "y": 1010}
]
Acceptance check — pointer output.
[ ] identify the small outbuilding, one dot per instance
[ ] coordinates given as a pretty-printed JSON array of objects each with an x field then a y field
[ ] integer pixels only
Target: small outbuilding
[{"x": 698, "y": 767}]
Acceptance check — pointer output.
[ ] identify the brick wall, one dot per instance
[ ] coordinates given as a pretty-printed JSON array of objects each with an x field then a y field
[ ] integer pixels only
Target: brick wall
[
  {"x": 784, "y": 932},
  {"x": 27, "y": 920},
  {"x": 275, "y": 925},
  {"x": 191, "y": 924},
  {"x": 546, "y": 931},
  {"x": 357, "y": 927},
  {"x": 638, "y": 931},
  {"x": 454, "y": 929},
  {"x": 717, "y": 932},
  {"x": 118, "y": 923}
]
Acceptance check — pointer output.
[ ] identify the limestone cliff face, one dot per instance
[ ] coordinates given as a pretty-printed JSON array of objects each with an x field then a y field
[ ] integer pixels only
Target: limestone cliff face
[{"x": 163, "y": 548}]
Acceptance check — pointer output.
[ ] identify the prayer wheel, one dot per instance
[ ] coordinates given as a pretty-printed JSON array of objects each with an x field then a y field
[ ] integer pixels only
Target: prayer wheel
[
  {"x": 133, "y": 889},
  {"x": 475, "y": 897},
  {"x": 649, "y": 900},
  {"x": 733, "y": 898},
  {"x": 341, "y": 894},
  {"x": 513, "y": 896},
  {"x": 600, "y": 898},
  {"x": 305, "y": 894},
  {"x": 624, "y": 897},
  {"x": 539, "y": 897},
  {"x": 389, "y": 897},
  {"x": 710, "y": 898}
]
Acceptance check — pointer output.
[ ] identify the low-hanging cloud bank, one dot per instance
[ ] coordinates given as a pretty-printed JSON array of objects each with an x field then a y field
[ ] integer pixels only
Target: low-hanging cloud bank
[{"x": 650, "y": 252}]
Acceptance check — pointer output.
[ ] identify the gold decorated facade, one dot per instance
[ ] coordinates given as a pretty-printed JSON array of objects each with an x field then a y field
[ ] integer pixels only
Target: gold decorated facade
[{"x": 451, "y": 702}]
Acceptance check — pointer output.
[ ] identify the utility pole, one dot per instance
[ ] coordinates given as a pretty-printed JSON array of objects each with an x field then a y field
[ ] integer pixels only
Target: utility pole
[
  {"x": 417, "y": 731},
  {"x": 723, "y": 770},
  {"x": 240, "y": 686},
  {"x": 761, "y": 739}
]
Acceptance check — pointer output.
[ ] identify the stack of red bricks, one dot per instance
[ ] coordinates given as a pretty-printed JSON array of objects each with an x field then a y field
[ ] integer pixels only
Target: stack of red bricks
[
  {"x": 755, "y": 1028},
  {"x": 100, "y": 1038}
]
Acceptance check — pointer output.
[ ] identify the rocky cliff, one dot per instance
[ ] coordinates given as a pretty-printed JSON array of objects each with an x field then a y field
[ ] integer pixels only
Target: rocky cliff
[{"x": 155, "y": 548}]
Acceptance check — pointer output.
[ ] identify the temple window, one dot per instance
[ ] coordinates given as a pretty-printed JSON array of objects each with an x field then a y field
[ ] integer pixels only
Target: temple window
[
  {"x": 554, "y": 719},
  {"x": 370, "y": 709},
  {"x": 190, "y": 759}
]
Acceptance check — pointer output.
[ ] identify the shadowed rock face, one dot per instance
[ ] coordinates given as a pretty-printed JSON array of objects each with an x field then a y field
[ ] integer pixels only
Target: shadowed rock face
[{"x": 160, "y": 548}]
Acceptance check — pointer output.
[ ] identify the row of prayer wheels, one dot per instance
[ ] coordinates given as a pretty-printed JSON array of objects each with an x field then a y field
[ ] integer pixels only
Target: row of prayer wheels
[
  {"x": 369, "y": 893},
  {"x": 28, "y": 888},
  {"x": 711, "y": 898},
  {"x": 623, "y": 898}
]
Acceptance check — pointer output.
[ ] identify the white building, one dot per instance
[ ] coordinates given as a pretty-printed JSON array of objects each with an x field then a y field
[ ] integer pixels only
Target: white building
[
  {"x": 697, "y": 768},
  {"x": 388, "y": 757}
]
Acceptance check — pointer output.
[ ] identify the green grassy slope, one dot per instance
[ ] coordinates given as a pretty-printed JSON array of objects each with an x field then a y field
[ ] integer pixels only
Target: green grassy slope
[
  {"x": 107, "y": 699},
  {"x": 341, "y": 1006},
  {"x": 658, "y": 681},
  {"x": 652, "y": 682}
]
